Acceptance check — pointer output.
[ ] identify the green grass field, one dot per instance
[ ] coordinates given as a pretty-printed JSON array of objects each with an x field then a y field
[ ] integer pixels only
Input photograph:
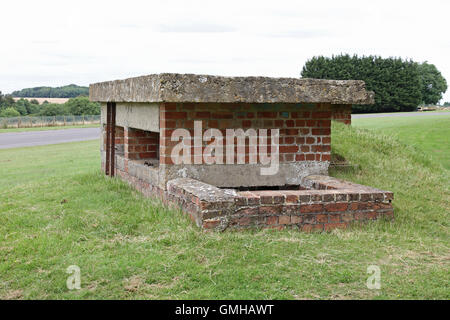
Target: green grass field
[
  {"x": 57, "y": 209},
  {"x": 429, "y": 133}
]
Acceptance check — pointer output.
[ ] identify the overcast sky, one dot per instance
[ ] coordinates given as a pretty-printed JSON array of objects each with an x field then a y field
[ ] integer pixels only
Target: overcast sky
[{"x": 56, "y": 43}]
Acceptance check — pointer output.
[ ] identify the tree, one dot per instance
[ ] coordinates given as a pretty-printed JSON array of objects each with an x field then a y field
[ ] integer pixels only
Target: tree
[
  {"x": 70, "y": 91},
  {"x": 82, "y": 106},
  {"x": 6, "y": 101},
  {"x": 9, "y": 112},
  {"x": 25, "y": 107},
  {"x": 22, "y": 106},
  {"x": 433, "y": 84},
  {"x": 32, "y": 108},
  {"x": 396, "y": 82},
  {"x": 53, "y": 109}
]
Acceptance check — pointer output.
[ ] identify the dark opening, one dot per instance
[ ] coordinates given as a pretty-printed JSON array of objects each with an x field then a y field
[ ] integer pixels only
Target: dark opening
[{"x": 262, "y": 188}]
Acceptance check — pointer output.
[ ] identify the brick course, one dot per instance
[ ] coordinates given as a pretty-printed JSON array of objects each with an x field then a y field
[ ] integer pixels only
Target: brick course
[
  {"x": 140, "y": 144},
  {"x": 305, "y": 129}
]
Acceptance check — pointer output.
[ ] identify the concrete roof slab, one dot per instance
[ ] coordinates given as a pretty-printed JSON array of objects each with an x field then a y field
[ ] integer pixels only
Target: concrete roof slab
[{"x": 173, "y": 87}]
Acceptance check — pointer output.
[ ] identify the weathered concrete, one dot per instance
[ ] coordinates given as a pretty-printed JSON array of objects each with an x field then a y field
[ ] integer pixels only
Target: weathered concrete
[
  {"x": 172, "y": 87},
  {"x": 144, "y": 116},
  {"x": 327, "y": 182},
  {"x": 244, "y": 175}
]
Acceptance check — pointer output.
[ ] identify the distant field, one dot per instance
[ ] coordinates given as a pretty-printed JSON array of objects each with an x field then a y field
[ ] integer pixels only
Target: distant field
[
  {"x": 429, "y": 134},
  {"x": 41, "y": 100}
]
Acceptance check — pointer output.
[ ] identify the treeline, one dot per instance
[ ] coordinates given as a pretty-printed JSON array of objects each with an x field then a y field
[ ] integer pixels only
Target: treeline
[
  {"x": 70, "y": 91},
  {"x": 75, "y": 106},
  {"x": 399, "y": 85}
]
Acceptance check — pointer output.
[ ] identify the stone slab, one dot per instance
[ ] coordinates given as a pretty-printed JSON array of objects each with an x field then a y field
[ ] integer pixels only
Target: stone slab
[
  {"x": 143, "y": 116},
  {"x": 173, "y": 87}
]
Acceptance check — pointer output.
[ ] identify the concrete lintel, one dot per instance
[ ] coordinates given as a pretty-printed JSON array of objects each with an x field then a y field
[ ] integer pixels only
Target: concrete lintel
[
  {"x": 172, "y": 87},
  {"x": 143, "y": 116},
  {"x": 243, "y": 175}
]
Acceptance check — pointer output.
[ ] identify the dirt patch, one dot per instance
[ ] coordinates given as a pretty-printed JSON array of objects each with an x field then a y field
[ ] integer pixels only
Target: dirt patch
[
  {"x": 13, "y": 295},
  {"x": 133, "y": 284}
]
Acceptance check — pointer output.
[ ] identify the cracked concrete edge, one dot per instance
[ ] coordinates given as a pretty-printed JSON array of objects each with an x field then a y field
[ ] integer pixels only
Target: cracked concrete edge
[
  {"x": 331, "y": 183},
  {"x": 203, "y": 191},
  {"x": 173, "y": 87}
]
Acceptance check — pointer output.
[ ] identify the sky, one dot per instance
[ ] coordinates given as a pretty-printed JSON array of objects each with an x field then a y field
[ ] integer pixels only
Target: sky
[{"x": 55, "y": 43}]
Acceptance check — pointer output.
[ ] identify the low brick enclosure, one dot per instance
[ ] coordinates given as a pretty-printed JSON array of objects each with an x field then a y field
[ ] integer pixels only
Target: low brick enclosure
[
  {"x": 140, "y": 117},
  {"x": 324, "y": 204}
]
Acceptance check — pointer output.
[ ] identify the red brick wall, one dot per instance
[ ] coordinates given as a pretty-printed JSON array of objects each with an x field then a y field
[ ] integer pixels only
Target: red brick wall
[
  {"x": 309, "y": 210},
  {"x": 119, "y": 136},
  {"x": 306, "y": 210},
  {"x": 304, "y": 129},
  {"x": 140, "y": 144},
  {"x": 342, "y": 113}
]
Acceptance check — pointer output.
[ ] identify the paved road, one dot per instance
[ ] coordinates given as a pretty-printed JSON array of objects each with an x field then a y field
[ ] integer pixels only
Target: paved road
[
  {"x": 38, "y": 138},
  {"x": 411, "y": 114}
]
